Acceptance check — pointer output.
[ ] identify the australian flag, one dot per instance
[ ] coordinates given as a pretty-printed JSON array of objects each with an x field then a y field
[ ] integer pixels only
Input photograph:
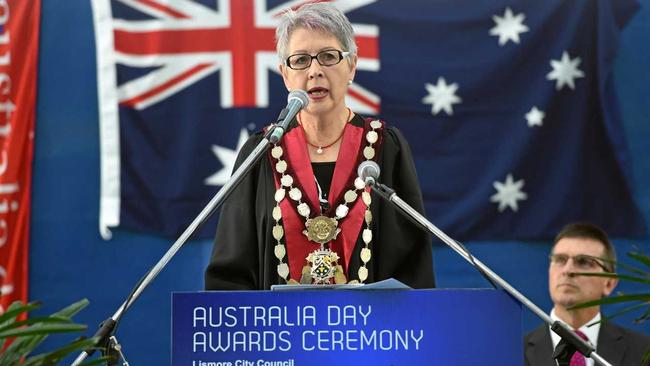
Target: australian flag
[{"x": 509, "y": 107}]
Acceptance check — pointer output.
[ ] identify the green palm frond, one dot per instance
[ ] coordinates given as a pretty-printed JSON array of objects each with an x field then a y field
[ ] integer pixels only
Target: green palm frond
[
  {"x": 614, "y": 300},
  {"x": 643, "y": 317},
  {"x": 618, "y": 276},
  {"x": 638, "y": 301},
  {"x": 626, "y": 310},
  {"x": 641, "y": 258},
  {"x": 19, "y": 338},
  {"x": 637, "y": 257}
]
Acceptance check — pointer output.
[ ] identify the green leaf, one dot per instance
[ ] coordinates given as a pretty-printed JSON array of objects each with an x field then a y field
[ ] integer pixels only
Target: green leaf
[
  {"x": 630, "y": 268},
  {"x": 9, "y": 358},
  {"x": 625, "y": 311},
  {"x": 643, "y": 317},
  {"x": 72, "y": 309},
  {"x": 613, "y": 300},
  {"x": 646, "y": 358},
  {"x": 33, "y": 321},
  {"x": 25, "y": 345},
  {"x": 55, "y": 356},
  {"x": 16, "y": 308},
  {"x": 627, "y": 267},
  {"x": 28, "y": 334},
  {"x": 43, "y": 329},
  {"x": 8, "y": 317},
  {"x": 615, "y": 275},
  {"x": 641, "y": 258}
]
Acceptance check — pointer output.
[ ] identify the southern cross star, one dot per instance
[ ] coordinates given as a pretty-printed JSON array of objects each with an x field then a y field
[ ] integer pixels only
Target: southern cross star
[
  {"x": 508, "y": 27},
  {"x": 535, "y": 117},
  {"x": 441, "y": 96},
  {"x": 508, "y": 193},
  {"x": 565, "y": 71}
]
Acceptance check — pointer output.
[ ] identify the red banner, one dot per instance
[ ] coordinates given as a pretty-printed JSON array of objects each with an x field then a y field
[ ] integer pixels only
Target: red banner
[{"x": 19, "y": 25}]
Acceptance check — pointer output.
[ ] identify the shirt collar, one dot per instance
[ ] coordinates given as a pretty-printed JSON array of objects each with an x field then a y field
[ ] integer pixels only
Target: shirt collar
[{"x": 590, "y": 331}]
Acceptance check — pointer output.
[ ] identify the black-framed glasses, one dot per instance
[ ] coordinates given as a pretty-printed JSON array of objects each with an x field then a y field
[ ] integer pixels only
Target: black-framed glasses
[
  {"x": 581, "y": 261},
  {"x": 301, "y": 61}
]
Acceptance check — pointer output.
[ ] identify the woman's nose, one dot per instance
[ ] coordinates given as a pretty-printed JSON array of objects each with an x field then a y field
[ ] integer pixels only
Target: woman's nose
[{"x": 315, "y": 70}]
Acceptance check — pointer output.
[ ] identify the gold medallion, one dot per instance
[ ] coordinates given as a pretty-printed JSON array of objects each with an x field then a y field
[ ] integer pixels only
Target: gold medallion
[{"x": 321, "y": 229}]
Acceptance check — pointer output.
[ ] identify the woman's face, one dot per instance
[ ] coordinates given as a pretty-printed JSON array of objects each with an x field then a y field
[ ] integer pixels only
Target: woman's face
[{"x": 325, "y": 85}]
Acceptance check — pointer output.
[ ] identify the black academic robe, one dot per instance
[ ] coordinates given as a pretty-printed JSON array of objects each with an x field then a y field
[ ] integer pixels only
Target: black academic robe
[
  {"x": 243, "y": 256},
  {"x": 619, "y": 346}
]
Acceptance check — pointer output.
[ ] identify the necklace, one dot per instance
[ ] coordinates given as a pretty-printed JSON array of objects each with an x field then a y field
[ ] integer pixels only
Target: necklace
[
  {"x": 322, "y": 264},
  {"x": 320, "y": 148}
]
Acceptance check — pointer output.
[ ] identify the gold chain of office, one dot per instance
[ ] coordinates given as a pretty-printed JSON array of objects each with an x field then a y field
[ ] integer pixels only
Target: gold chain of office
[{"x": 322, "y": 264}]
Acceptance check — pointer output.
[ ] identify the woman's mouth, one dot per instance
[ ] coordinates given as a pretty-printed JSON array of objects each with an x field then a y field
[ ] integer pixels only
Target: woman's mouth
[{"x": 317, "y": 92}]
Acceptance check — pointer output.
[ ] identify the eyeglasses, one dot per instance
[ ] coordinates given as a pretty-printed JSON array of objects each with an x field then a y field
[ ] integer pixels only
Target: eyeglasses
[
  {"x": 581, "y": 261},
  {"x": 301, "y": 61}
]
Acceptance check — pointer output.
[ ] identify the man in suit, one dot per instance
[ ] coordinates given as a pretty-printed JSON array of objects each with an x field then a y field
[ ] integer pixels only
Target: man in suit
[{"x": 582, "y": 247}]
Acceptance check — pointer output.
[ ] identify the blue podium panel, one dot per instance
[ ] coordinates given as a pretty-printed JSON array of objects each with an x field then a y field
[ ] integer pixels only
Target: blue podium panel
[{"x": 346, "y": 327}]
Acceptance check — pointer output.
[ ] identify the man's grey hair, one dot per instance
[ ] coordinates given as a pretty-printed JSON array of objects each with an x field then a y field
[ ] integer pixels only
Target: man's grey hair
[{"x": 317, "y": 16}]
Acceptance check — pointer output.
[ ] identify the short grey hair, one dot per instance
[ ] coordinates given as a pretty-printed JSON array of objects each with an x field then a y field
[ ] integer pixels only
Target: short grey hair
[{"x": 315, "y": 16}]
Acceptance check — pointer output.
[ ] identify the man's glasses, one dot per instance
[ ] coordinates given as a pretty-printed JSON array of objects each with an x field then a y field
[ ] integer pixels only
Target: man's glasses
[
  {"x": 581, "y": 261},
  {"x": 301, "y": 61}
]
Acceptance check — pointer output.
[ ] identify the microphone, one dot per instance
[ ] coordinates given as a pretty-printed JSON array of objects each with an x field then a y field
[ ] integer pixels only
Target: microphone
[
  {"x": 296, "y": 101},
  {"x": 369, "y": 172}
]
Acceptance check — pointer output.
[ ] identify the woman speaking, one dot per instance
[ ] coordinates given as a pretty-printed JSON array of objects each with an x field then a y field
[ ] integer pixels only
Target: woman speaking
[{"x": 302, "y": 215}]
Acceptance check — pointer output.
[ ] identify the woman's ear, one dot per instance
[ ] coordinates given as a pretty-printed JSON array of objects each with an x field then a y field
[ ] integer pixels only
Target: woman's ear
[{"x": 353, "y": 66}]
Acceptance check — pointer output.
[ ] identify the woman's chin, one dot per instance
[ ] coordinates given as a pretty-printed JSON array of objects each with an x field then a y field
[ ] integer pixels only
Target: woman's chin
[{"x": 320, "y": 107}]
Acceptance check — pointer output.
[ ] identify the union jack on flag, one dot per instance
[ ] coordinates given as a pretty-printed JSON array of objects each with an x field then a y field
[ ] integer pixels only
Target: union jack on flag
[
  {"x": 186, "y": 41},
  {"x": 508, "y": 106}
]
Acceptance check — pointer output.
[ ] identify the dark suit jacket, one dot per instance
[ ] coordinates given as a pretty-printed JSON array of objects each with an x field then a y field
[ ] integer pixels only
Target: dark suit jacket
[{"x": 618, "y": 345}]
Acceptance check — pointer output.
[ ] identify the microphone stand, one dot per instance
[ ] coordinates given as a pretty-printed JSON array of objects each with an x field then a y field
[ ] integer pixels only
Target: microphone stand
[
  {"x": 107, "y": 327},
  {"x": 573, "y": 341}
]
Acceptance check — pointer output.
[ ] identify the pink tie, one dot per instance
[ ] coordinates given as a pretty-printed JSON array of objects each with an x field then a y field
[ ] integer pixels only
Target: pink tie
[{"x": 578, "y": 359}]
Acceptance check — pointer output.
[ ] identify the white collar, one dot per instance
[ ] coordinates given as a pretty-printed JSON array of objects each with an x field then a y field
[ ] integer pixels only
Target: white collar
[{"x": 590, "y": 331}]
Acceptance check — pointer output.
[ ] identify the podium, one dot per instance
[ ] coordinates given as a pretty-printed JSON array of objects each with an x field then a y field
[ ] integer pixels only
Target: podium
[{"x": 346, "y": 327}]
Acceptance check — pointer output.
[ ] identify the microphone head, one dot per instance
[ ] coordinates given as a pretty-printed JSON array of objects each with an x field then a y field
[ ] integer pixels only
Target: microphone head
[
  {"x": 369, "y": 172},
  {"x": 299, "y": 95}
]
